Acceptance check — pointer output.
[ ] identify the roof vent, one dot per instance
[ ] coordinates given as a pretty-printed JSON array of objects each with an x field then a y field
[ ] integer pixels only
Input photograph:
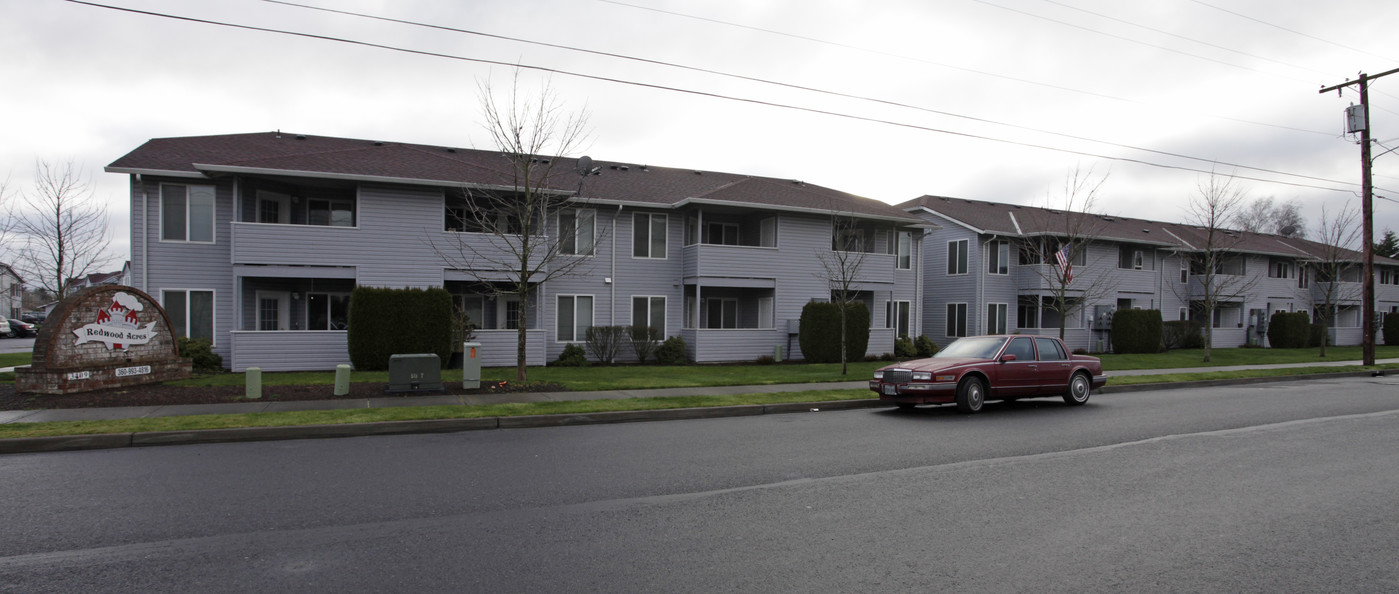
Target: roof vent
[
  {"x": 699, "y": 173},
  {"x": 301, "y": 137},
  {"x": 645, "y": 167},
  {"x": 1146, "y": 230},
  {"x": 1108, "y": 219},
  {"x": 451, "y": 150},
  {"x": 378, "y": 143},
  {"x": 623, "y": 167}
]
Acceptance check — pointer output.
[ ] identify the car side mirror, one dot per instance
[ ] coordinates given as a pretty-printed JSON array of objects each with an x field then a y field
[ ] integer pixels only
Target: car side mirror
[{"x": 1005, "y": 358}]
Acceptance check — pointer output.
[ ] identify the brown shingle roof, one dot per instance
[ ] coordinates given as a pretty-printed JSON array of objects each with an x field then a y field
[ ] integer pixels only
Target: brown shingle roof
[{"x": 353, "y": 158}]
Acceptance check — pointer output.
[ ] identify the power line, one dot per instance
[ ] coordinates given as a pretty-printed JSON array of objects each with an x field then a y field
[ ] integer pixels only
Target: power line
[
  {"x": 1294, "y": 32},
  {"x": 942, "y": 65},
  {"x": 791, "y": 86},
  {"x": 712, "y": 95}
]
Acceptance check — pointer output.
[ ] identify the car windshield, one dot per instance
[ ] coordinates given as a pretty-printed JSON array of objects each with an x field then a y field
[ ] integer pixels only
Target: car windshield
[{"x": 981, "y": 347}]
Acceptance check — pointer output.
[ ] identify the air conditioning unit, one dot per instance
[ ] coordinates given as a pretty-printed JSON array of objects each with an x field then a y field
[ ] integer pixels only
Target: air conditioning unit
[{"x": 415, "y": 373}]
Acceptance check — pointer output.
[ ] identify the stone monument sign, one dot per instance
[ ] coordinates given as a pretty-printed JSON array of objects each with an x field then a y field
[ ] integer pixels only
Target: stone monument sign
[{"x": 103, "y": 337}]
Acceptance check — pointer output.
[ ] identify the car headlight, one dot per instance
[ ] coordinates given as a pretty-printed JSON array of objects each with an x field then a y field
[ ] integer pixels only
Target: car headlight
[
  {"x": 922, "y": 376},
  {"x": 879, "y": 374}
]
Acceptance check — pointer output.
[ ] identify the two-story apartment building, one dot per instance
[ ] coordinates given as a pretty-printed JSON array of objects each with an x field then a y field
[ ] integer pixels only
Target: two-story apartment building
[
  {"x": 990, "y": 269},
  {"x": 256, "y": 240}
]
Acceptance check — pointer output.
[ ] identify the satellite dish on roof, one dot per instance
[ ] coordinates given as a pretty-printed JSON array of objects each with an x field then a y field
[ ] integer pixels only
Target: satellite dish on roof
[
  {"x": 585, "y": 165},
  {"x": 1287, "y": 231}
]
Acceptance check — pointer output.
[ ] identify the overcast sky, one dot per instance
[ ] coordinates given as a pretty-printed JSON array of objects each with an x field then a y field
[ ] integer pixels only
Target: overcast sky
[{"x": 984, "y": 99}]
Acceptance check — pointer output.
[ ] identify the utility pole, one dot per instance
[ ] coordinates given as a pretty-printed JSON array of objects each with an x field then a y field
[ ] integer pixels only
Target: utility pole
[{"x": 1366, "y": 215}]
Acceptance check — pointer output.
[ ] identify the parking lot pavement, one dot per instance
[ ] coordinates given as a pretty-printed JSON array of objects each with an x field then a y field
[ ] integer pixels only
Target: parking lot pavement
[{"x": 16, "y": 345}]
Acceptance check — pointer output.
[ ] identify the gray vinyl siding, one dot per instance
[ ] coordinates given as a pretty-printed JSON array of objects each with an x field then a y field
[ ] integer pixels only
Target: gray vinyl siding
[
  {"x": 289, "y": 350},
  {"x": 182, "y": 265}
]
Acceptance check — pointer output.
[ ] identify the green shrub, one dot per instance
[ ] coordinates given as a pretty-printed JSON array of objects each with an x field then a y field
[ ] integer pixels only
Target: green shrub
[
  {"x": 672, "y": 352},
  {"x": 925, "y": 346},
  {"x": 572, "y": 356},
  {"x": 201, "y": 352},
  {"x": 644, "y": 341},
  {"x": 1136, "y": 331},
  {"x": 604, "y": 342},
  {"x": 1182, "y": 334},
  {"x": 1316, "y": 335},
  {"x": 1391, "y": 328},
  {"x": 386, "y": 322},
  {"x": 1289, "y": 330},
  {"x": 819, "y": 336},
  {"x": 904, "y": 349}
]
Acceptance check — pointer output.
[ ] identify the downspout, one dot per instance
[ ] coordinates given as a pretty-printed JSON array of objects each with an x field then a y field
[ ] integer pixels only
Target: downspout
[
  {"x": 918, "y": 284},
  {"x": 612, "y": 307},
  {"x": 145, "y": 237}
]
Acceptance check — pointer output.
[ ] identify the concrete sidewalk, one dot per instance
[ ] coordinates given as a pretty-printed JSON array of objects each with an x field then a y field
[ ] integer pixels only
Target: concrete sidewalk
[{"x": 135, "y": 412}]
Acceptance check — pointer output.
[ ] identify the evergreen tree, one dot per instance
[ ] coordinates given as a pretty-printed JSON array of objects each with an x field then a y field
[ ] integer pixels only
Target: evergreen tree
[{"x": 1388, "y": 246}]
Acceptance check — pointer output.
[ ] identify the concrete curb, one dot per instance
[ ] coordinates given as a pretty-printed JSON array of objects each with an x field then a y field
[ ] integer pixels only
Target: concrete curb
[{"x": 157, "y": 438}]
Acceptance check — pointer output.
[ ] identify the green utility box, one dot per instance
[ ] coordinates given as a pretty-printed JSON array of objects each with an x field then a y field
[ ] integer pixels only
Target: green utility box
[
  {"x": 415, "y": 373},
  {"x": 470, "y": 365}
]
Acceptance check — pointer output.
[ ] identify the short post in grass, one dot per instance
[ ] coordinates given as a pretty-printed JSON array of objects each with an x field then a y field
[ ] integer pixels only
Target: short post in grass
[
  {"x": 470, "y": 365},
  {"x": 253, "y": 381},
  {"x": 342, "y": 379}
]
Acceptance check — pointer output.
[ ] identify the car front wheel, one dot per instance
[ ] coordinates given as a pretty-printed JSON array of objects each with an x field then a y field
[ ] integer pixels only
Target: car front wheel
[
  {"x": 1079, "y": 388},
  {"x": 971, "y": 394}
]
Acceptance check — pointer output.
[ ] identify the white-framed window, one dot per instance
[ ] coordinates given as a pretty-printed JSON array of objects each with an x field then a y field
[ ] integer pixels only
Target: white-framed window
[
  {"x": 187, "y": 213},
  {"x": 896, "y": 316},
  {"x": 578, "y": 229},
  {"x": 998, "y": 257},
  {"x": 327, "y": 311},
  {"x": 957, "y": 318},
  {"x": 904, "y": 250},
  {"x": 1184, "y": 270},
  {"x": 191, "y": 312},
  {"x": 721, "y": 312},
  {"x": 721, "y": 233},
  {"x": 273, "y": 207},
  {"x": 330, "y": 213},
  {"x": 765, "y": 312},
  {"x": 649, "y": 311},
  {"x": 767, "y": 232},
  {"x": 574, "y": 317},
  {"x": 957, "y": 257},
  {"x": 1183, "y": 315},
  {"x": 996, "y": 318},
  {"x": 649, "y": 235},
  {"x": 271, "y": 310},
  {"x": 1304, "y": 277},
  {"x": 1130, "y": 257},
  {"x": 1027, "y": 312}
]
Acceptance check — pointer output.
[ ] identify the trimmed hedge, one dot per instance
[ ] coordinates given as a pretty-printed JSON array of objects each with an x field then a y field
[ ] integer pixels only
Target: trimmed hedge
[
  {"x": 1183, "y": 334},
  {"x": 672, "y": 352},
  {"x": 1391, "y": 329},
  {"x": 1289, "y": 330},
  {"x": 1136, "y": 331},
  {"x": 819, "y": 336},
  {"x": 386, "y": 322},
  {"x": 200, "y": 351}
]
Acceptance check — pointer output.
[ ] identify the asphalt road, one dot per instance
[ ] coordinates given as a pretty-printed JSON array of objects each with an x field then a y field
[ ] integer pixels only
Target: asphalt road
[
  {"x": 1266, "y": 488},
  {"x": 16, "y": 345}
]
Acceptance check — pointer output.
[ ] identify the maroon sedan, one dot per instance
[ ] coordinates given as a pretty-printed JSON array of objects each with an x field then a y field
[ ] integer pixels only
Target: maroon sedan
[{"x": 972, "y": 370}]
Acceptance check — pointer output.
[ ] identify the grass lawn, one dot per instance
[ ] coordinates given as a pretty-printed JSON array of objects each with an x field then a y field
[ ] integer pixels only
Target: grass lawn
[
  {"x": 411, "y": 413},
  {"x": 15, "y": 359},
  {"x": 1236, "y": 356}
]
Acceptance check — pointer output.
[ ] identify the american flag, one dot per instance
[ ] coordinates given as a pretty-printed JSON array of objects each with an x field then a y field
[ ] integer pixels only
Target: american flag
[{"x": 1062, "y": 257}]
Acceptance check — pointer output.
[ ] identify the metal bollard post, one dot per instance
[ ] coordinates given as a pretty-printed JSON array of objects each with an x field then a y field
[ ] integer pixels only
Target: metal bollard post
[{"x": 342, "y": 379}]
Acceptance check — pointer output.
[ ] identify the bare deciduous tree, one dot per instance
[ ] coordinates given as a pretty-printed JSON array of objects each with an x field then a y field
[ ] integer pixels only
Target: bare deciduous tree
[
  {"x": 840, "y": 268},
  {"x": 509, "y": 249},
  {"x": 1265, "y": 215},
  {"x": 1068, "y": 220},
  {"x": 1336, "y": 262},
  {"x": 62, "y": 227},
  {"x": 1215, "y": 262}
]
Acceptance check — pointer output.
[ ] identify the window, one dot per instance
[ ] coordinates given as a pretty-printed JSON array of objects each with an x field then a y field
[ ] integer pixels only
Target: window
[
  {"x": 575, "y": 316},
  {"x": 512, "y": 314},
  {"x": 1027, "y": 314},
  {"x": 1182, "y": 315},
  {"x": 648, "y": 235},
  {"x": 649, "y": 312},
  {"x": 578, "y": 229},
  {"x": 1050, "y": 349},
  {"x": 765, "y": 312},
  {"x": 273, "y": 207},
  {"x": 721, "y": 233},
  {"x": 1304, "y": 277},
  {"x": 1278, "y": 268},
  {"x": 1029, "y": 254},
  {"x": 767, "y": 232},
  {"x": 330, "y": 213},
  {"x": 957, "y": 318},
  {"x": 1184, "y": 270},
  {"x": 896, "y": 316},
  {"x": 187, "y": 213},
  {"x": 271, "y": 310},
  {"x": 191, "y": 312},
  {"x": 998, "y": 258},
  {"x": 995, "y": 318},
  {"x": 1131, "y": 257},
  {"x": 957, "y": 258},
  {"x": 721, "y": 313},
  {"x": 904, "y": 250},
  {"x": 330, "y": 311},
  {"x": 848, "y": 240}
]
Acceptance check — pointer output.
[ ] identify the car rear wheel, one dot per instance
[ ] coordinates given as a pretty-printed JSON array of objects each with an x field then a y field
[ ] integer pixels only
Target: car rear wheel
[
  {"x": 971, "y": 394},
  {"x": 1079, "y": 388}
]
